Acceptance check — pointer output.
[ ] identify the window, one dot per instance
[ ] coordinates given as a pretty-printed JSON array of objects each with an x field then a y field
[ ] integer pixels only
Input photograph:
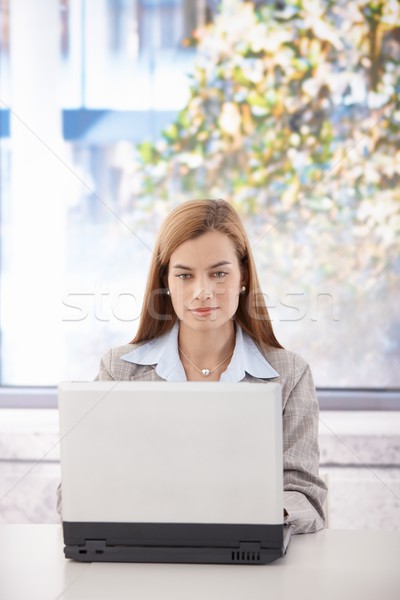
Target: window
[{"x": 291, "y": 116}]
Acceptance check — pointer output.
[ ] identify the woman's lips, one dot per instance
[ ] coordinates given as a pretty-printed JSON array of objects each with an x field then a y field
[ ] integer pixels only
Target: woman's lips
[{"x": 203, "y": 312}]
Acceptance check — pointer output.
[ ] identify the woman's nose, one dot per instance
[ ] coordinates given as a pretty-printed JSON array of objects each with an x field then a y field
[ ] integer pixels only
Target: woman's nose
[{"x": 203, "y": 293}]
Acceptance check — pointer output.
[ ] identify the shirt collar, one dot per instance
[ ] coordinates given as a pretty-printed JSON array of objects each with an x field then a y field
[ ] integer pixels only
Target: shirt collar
[{"x": 163, "y": 353}]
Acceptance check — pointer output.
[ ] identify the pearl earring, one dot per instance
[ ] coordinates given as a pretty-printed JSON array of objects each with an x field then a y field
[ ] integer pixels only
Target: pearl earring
[
  {"x": 168, "y": 293},
  {"x": 243, "y": 288}
]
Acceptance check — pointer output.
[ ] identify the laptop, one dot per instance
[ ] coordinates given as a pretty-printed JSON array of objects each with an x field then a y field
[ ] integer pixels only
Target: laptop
[{"x": 186, "y": 472}]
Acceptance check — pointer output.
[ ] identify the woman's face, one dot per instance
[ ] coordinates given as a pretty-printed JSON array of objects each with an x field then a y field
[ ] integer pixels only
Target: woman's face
[{"x": 205, "y": 280}]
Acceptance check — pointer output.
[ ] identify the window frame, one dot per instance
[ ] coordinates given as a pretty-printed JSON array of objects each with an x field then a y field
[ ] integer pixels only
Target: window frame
[{"x": 329, "y": 399}]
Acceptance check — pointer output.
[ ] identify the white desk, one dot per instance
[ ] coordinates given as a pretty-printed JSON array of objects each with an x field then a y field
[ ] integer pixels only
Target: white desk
[{"x": 330, "y": 565}]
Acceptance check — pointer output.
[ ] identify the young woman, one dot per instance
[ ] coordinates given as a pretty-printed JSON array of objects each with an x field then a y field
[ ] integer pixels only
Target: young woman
[{"x": 204, "y": 319}]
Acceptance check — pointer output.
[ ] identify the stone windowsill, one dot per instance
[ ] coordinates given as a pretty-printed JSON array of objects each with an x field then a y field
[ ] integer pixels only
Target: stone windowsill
[{"x": 346, "y": 438}]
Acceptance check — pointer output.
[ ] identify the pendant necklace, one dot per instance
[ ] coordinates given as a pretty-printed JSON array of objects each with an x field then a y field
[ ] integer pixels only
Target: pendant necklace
[{"x": 205, "y": 372}]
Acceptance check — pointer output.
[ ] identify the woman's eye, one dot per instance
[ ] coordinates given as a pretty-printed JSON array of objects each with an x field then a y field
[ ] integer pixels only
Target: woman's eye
[{"x": 216, "y": 274}]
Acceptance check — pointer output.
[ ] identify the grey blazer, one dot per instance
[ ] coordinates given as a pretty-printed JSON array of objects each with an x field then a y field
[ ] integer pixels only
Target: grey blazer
[{"x": 304, "y": 491}]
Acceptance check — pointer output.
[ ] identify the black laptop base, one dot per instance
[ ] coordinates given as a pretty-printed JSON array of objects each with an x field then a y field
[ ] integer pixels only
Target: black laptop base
[
  {"x": 175, "y": 542},
  {"x": 97, "y": 551}
]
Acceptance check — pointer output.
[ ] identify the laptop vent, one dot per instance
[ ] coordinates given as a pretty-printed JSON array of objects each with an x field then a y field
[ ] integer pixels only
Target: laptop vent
[{"x": 239, "y": 556}]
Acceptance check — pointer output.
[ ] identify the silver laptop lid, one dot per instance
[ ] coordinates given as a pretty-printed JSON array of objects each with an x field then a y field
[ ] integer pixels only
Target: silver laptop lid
[{"x": 158, "y": 452}]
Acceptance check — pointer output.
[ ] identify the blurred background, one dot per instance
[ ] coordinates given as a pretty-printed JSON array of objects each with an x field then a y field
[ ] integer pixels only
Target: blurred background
[{"x": 112, "y": 112}]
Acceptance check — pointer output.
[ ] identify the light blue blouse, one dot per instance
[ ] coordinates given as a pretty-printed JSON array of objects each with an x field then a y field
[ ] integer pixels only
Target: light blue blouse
[{"x": 163, "y": 352}]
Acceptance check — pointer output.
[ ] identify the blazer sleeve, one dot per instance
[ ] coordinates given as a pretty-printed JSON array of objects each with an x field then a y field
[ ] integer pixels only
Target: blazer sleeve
[
  {"x": 105, "y": 372},
  {"x": 59, "y": 500},
  {"x": 304, "y": 491}
]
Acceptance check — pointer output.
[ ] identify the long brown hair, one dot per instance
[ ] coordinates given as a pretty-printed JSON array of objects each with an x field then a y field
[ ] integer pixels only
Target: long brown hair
[{"x": 186, "y": 222}]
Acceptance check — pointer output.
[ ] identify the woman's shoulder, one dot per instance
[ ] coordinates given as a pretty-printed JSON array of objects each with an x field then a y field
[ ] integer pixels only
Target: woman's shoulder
[
  {"x": 285, "y": 361},
  {"x": 116, "y": 352},
  {"x": 115, "y": 364},
  {"x": 294, "y": 373}
]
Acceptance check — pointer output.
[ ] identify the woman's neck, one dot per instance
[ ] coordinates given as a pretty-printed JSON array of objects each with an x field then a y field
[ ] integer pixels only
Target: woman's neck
[{"x": 206, "y": 349}]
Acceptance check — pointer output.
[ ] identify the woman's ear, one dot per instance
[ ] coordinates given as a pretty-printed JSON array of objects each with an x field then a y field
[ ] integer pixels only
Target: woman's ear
[
  {"x": 245, "y": 277},
  {"x": 244, "y": 271},
  {"x": 164, "y": 277}
]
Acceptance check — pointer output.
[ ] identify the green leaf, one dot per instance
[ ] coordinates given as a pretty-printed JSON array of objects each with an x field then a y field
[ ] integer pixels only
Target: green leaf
[{"x": 256, "y": 99}]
